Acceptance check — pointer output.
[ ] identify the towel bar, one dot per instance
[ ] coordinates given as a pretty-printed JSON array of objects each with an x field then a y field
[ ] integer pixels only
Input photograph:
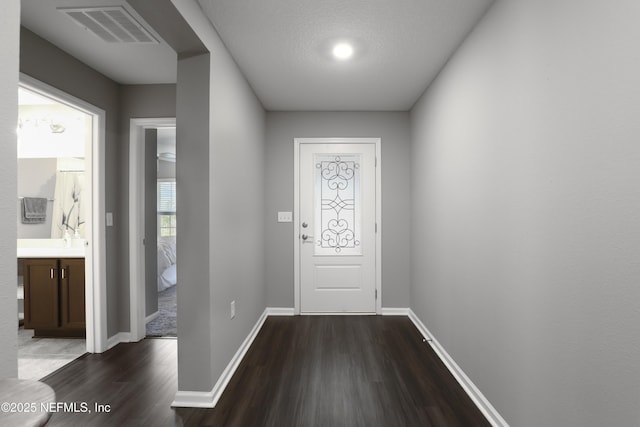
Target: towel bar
[{"x": 50, "y": 200}]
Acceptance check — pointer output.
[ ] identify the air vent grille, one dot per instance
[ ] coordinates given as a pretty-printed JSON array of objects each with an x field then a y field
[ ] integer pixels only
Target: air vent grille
[{"x": 113, "y": 24}]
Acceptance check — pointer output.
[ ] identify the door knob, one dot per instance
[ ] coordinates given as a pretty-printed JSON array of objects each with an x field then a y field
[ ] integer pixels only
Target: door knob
[
  {"x": 305, "y": 237},
  {"x": 305, "y": 225}
]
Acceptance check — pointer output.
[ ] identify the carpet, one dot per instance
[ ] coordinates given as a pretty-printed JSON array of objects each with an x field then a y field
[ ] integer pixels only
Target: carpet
[{"x": 165, "y": 325}]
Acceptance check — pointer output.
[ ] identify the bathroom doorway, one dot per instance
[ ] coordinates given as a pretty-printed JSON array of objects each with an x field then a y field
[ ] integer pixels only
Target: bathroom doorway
[{"x": 60, "y": 246}]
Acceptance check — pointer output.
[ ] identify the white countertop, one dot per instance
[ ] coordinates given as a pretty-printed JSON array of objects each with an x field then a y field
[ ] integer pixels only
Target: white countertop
[{"x": 50, "y": 248}]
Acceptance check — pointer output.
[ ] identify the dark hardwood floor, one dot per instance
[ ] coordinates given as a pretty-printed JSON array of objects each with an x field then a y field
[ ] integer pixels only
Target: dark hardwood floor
[
  {"x": 300, "y": 371},
  {"x": 137, "y": 380}
]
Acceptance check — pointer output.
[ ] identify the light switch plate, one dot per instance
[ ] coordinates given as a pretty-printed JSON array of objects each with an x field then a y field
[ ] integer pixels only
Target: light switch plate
[{"x": 285, "y": 216}]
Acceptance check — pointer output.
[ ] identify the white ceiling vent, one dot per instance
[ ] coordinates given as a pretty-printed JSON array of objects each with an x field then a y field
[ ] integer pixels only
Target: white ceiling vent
[{"x": 113, "y": 24}]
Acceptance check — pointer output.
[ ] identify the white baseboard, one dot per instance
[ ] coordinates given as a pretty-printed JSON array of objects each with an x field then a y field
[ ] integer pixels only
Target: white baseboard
[
  {"x": 208, "y": 399},
  {"x": 151, "y": 317},
  {"x": 117, "y": 339},
  {"x": 280, "y": 311},
  {"x": 337, "y": 313},
  {"x": 418, "y": 324},
  {"x": 237, "y": 358},
  {"x": 391, "y": 311},
  {"x": 193, "y": 399},
  {"x": 469, "y": 387}
]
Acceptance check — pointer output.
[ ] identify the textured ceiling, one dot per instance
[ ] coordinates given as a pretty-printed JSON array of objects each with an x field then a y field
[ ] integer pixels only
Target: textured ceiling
[{"x": 283, "y": 48}]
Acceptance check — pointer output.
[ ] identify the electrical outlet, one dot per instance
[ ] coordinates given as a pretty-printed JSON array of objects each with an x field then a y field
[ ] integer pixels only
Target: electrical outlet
[{"x": 233, "y": 309}]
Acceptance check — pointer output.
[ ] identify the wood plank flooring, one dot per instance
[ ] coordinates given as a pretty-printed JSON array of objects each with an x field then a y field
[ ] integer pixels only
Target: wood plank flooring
[
  {"x": 300, "y": 371},
  {"x": 137, "y": 380}
]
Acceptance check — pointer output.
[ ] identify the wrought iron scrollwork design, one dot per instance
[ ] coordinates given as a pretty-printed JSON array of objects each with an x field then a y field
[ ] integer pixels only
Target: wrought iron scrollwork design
[{"x": 338, "y": 204}]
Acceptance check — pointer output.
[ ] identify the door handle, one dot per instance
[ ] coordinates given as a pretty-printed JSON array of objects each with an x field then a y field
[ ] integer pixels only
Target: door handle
[{"x": 306, "y": 237}]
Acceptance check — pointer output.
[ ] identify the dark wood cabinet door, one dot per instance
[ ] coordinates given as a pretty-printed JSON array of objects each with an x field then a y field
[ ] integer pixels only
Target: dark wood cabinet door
[
  {"x": 72, "y": 304},
  {"x": 41, "y": 294}
]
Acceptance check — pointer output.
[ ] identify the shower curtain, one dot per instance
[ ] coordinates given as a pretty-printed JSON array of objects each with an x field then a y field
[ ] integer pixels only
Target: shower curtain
[{"x": 68, "y": 205}]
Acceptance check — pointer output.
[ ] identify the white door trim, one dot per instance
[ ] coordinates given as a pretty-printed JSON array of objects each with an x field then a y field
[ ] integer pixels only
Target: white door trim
[
  {"x": 136, "y": 221},
  {"x": 95, "y": 255},
  {"x": 296, "y": 211}
]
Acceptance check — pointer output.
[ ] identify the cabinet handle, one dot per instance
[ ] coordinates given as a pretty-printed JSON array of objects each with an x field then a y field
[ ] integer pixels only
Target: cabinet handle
[
  {"x": 52, "y": 273},
  {"x": 62, "y": 271}
]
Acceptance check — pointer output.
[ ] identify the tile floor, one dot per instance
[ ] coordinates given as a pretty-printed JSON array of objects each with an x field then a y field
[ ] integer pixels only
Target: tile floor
[{"x": 38, "y": 357}]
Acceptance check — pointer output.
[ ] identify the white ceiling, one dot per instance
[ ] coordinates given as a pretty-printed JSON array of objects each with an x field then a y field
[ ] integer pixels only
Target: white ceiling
[{"x": 282, "y": 47}]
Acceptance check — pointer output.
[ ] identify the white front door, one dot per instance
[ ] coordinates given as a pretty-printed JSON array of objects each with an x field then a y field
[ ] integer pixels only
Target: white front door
[{"x": 337, "y": 227}]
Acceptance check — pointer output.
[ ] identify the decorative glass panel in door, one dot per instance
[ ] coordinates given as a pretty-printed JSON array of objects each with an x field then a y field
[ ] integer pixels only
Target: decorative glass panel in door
[{"x": 337, "y": 204}]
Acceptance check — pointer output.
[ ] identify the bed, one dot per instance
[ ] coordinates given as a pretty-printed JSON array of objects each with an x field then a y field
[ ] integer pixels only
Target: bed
[{"x": 166, "y": 263}]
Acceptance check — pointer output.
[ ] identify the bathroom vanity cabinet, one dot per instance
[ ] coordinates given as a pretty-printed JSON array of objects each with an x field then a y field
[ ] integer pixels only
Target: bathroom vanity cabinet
[{"x": 54, "y": 296}]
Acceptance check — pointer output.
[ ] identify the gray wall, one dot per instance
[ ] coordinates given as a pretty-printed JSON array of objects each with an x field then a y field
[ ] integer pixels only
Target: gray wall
[
  {"x": 45, "y": 62},
  {"x": 394, "y": 130},
  {"x": 192, "y": 190},
  {"x": 151, "y": 221},
  {"x": 9, "y": 50},
  {"x": 36, "y": 178},
  {"x": 237, "y": 157},
  {"x": 228, "y": 203},
  {"x": 525, "y": 211}
]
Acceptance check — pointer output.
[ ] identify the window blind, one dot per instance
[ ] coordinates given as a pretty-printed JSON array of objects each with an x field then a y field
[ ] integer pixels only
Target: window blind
[{"x": 167, "y": 197}]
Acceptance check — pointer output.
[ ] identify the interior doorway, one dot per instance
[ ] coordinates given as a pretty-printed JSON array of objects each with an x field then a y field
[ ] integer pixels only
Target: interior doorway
[
  {"x": 60, "y": 198},
  {"x": 152, "y": 216},
  {"x": 161, "y": 316}
]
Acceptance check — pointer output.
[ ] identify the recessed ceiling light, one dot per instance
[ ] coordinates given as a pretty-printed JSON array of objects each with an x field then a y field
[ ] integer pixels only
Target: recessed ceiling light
[{"x": 342, "y": 51}]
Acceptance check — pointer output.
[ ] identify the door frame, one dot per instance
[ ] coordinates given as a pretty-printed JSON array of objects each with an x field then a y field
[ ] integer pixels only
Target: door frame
[
  {"x": 137, "y": 306},
  {"x": 95, "y": 223},
  {"x": 296, "y": 213}
]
